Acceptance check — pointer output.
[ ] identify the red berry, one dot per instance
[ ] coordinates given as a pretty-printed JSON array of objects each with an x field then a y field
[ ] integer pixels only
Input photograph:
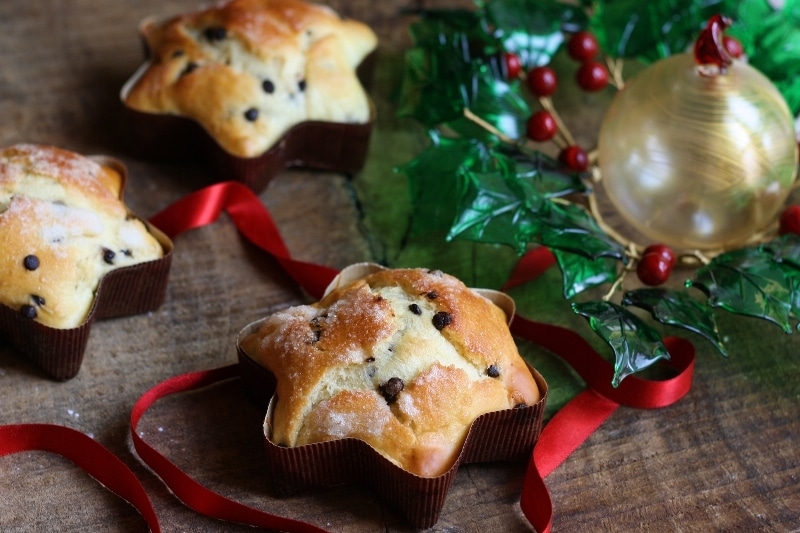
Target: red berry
[
  {"x": 574, "y": 157},
  {"x": 656, "y": 264},
  {"x": 790, "y": 220},
  {"x": 732, "y": 46},
  {"x": 592, "y": 76},
  {"x": 541, "y": 126},
  {"x": 663, "y": 250},
  {"x": 513, "y": 65},
  {"x": 542, "y": 81},
  {"x": 582, "y": 46}
]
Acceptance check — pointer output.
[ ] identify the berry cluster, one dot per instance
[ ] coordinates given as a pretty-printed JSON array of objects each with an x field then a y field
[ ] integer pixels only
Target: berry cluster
[{"x": 542, "y": 82}]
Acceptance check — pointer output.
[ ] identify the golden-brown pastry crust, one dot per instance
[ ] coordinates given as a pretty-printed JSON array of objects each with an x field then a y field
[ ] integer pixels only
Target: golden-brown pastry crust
[
  {"x": 62, "y": 227},
  {"x": 403, "y": 359},
  {"x": 248, "y": 70}
]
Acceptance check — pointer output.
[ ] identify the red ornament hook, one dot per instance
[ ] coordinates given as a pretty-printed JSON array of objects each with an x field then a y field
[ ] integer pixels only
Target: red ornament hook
[{"x": 709, "y": 49}]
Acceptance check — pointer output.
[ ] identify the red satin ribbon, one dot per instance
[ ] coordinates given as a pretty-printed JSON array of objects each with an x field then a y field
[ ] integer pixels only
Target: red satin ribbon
[
  {"x": 95, "y": 459},
  {"x": 565, "y": 432},
  {"x": 253, "y": 221},
  {"x": 182, "y": 485}
]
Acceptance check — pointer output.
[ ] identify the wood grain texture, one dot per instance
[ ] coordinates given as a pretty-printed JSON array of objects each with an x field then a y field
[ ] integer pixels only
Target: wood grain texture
[{"x": 723, "y": 459}]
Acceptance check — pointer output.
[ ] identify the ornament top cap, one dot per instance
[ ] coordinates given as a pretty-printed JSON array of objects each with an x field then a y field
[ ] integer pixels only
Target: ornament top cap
[{"x": 710, "y": 53}]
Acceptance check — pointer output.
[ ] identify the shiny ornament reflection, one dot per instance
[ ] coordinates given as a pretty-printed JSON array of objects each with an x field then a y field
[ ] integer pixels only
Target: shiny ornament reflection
[{"x": 698, "y": 161}]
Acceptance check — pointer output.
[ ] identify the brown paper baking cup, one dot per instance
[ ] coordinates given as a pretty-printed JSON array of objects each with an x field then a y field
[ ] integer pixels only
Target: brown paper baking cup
[
  {"x": 507, "y": 435},
  {"x": 316, "y": 145},
  {"x": 126, "y": 291}
]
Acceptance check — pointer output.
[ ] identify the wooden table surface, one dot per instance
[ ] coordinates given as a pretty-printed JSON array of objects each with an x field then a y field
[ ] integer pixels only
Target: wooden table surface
[{"x": 724, "y": 458}]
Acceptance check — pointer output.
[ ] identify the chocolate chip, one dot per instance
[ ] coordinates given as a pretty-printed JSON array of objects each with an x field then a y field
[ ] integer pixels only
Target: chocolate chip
[
  {"x": 28, "y": 311},
  {"x": 493, "y": 371},
  {"x": 414, "y": 308},
  {"x": 189, "y": 68},
  {"x": 316, "y": 328},
  {"x": 177, "y": 53},
  {"x": 31, "y": 262},
  {"x": 391, "y": 389},
  {"x": 370, "y": 360},
  {"x": 38, "y": 300},
  {"x": 126, "y": 253},
  {"x": 108, "y": 256},
  {"x": 441, "y": 320},
  {"x": 215, "y": 33},
  {"x": 251, "y": 114},
  {"x": 435, "y": 272},
  {"x": 301, "y": 85},
  {"x": 432, "y": 295},
  {"x": 268, "y": 86}
]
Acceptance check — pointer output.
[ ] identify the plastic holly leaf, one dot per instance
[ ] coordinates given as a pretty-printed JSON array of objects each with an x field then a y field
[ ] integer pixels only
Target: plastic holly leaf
[
  {"x": 579, "y": 273},
  {"x": 651, "y": 30},
  {"x": 450, "y": 28},
  {"x": 445, "y": 45},
  {"x": 784, "y": 249},
  {"x": 571, "y": 228},
  {"x": 792, "y": 274},
  {"x": 508, "y": 203},
  {"x": 496, "y": 208},
  {"x": 679, "y": 309},
  {"x": 533, "y": 30},
  {"x": 436, "y": 180},
  {"x": 747, "y": 282},
  {"x": 546, "y": 176},
  {"x": 454, "y": 66},
  {"x": 495, "y": 102},
  {"x": 636, "y": 345}
]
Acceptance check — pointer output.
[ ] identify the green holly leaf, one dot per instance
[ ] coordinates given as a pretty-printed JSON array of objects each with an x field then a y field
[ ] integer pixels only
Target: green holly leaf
[
  {"x": 792, "y": 274},
  {"x": 451, "y": 28},
  {"x": 436, "y": 180},
  {"x": 509, "y": 202},
  {"x": 496, "y": 208},
  {"x": 677, "y": 308},
  {"x": 495, "y": 102},
  {"x": 652, "y": 30},
  {"x": 545, "y": 176},
  {"x": 533, "y": 30},
  {"x": 455, "y": 65},
  {"x": 579, "y": 273},
  {"x": 571, "y": 228},
  {"x": 747, "y": 282},
  {"x": 784, "y": 249},
  {"x": 636, "y": 345}
]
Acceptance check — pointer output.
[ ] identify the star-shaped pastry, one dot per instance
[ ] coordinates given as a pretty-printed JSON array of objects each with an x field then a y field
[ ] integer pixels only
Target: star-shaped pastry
[
  {"x": 249, "y": 70},
  {"x": 402, "y": 359}
]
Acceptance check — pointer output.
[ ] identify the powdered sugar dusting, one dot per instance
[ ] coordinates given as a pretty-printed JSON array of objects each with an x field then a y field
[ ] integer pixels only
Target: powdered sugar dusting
[
  {"x": 132, "y": 236},
  {"x": 340, "y": 425},
  {"x": 405, "y": 402},
  {"x": 60, "y": 165}
]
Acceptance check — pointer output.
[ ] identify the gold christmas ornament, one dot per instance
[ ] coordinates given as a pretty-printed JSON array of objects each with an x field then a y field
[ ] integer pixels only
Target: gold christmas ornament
[{"x": 698, "y": 158}]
